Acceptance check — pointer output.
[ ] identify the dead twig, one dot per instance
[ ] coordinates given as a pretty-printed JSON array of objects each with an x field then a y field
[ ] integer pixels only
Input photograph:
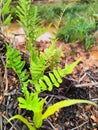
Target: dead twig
[
  {"x": 82, "y": 77},
  {"x": 94, "y": 99},
  {"x": 86, "y": 84},
  {"x": 1, "y": 125},
  {"x": 4, "y": 38},
  {"x": 79, "y": 126},
  {"x": 5, "y": 76},
  {"x": 51, "y": 124},
  {"x": 7, "y": 120}
]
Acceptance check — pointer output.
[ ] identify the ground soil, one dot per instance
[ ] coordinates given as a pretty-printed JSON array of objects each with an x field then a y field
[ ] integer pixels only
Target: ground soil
[{"x": 81, "y": 84}]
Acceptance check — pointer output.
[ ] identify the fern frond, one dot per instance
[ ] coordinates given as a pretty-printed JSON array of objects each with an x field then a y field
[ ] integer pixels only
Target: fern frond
[
  {"x": 14, "y": 61},
  {"x": 55, "y": 78},
  {"x": 37, "y": 72},
  {"x": 38, "y": 65},
  {"x": 52, "y": 56},
  {"x": 47, "y": 82},
  {"x": 30, "y": 21}
]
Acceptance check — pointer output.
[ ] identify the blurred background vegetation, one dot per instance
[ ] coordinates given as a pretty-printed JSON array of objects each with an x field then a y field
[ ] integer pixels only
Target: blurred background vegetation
[{"x": 79, "y": 22}]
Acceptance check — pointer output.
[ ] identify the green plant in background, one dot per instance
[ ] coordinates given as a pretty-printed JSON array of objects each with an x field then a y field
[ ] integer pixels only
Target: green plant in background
[
  {"x": 13, "y": 10},
  {"x": 39, "y": 62},
  {"x": 78, "y": 29},
  {"x": 89, "y": 40},
  {"x": 5, "y": 16},
  {"x": 75, "y": 19},
  {"x": 92, "y": 11},
  {"x": 76, "y": 8},
  {"x": 52, "y": 12}
]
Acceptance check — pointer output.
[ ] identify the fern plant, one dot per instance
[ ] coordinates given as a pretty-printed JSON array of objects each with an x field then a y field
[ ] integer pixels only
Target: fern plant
[
  {"x": 39, "y": 62},
  {"x": 32, "y": 101}
]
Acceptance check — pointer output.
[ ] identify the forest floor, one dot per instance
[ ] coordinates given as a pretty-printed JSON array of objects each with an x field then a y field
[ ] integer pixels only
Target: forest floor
[{"x": 81, "y": 84}]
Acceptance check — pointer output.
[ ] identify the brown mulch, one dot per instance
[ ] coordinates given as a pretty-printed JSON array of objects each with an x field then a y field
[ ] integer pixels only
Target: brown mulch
[{"x": 81, "y": 84}]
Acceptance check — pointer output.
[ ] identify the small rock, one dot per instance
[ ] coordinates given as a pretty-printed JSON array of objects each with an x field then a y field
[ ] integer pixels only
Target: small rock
[{"x": 46, "y": 37}]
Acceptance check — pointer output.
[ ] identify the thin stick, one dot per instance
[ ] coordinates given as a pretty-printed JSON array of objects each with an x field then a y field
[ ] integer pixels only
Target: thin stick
[
  {"x": 82, "y": 77},
  {"x": 79, "y": 126},
  {"x": 46, "y": 104},
  {"x": 85, "y": 84},
  {"x": 1, "y": 125},
  {"x": 5, "y": 76},
  {"x": 7, "y": 120},
  {"x": 51, "y": 124},
  {"x": 94, "y": 99}
]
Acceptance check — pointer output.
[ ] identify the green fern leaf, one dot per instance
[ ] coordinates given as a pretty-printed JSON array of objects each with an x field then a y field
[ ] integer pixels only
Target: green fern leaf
[
  {"x": 60, "y": 71},
  {"x": 69, "y": 68},
  {"x": 55, "y": 83},
  {"x": 48, "y": 82},
  {"x": 14, "y": 61},
  {"x": 37, "y": 87},
  {"x": 20, "y": 66},
  {"x": 24, "y": 78},
  {"x": 43, "y": 85},
  {"x": 55, "y": 72}
]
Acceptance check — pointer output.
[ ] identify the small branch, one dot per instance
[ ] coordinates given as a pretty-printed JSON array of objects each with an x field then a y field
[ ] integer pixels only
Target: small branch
[
  {"x": 51, "y": 124},
  {"x": 5, "y": 76},
  {"x": 4, "y": 38},
  {"x": 82, "y": 77},
  {"x": 79, "y": 126},
  {"x": 1, "y": 124},
  {"x": 94, "y": 99},
  {"x": 85, "y": 84},
  {"x": 46, "y": 104},
  {"x": 7, "y": 120}
]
